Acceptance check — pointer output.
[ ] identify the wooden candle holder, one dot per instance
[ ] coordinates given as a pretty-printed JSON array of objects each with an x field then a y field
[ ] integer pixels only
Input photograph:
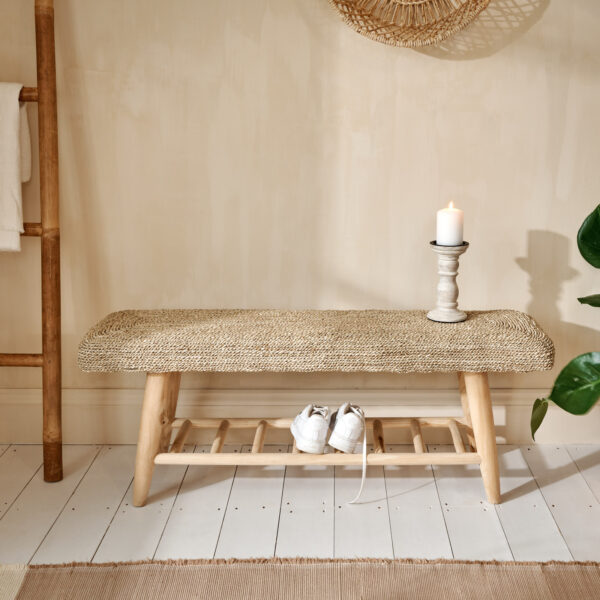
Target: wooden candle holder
[{"x": 446, "y": 310}]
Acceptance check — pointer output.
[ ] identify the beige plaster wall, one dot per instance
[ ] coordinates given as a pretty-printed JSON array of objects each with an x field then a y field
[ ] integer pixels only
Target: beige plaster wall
[{"x": 262, "y": 154}]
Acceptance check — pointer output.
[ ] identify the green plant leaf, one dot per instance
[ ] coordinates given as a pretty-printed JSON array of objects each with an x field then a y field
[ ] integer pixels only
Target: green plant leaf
[
  {"x": 540, "y": 408},
  {"x": 577, "y": 387},
  {"x": 593, "y": 300},
  {"x": 588, "y": 238}
]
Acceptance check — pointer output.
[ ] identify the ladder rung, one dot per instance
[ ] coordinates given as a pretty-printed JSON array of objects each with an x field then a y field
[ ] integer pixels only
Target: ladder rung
[
  {"x": 21, "y": 360},
  {"x": 32, "y": 229},
  {"x": 29, "y": 94}
]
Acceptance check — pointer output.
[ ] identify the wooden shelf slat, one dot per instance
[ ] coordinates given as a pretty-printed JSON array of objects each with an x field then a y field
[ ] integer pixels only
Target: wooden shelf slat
[
  {"x": 217, "y": 445},
  {"x": 289, "y": 458},
  {"x": 378, "y": 442},
  {"x": 259, "y": 437},
  {"x": 181, "y": 436},
  {"x": 285, "y": 422},
  {"x": 415, "y": 429},
  {"x": 459, "y": 445}
]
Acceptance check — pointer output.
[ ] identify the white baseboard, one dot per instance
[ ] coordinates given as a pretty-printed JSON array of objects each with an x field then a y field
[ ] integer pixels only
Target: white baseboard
[{"x": 111, "y": 416}]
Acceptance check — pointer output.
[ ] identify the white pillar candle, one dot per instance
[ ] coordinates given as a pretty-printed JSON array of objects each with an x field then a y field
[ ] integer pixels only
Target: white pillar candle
[{"x": 449, "y": 230}]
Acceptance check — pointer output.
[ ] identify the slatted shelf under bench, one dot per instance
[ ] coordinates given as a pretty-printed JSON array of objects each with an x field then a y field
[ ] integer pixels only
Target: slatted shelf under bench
[{"x": 379, "y": 456}]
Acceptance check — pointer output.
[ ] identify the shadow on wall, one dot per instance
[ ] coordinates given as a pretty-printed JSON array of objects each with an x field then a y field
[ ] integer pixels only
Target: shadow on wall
[
  {"x": 547, "y": 263},
  {"x": 502, "y": 22}
]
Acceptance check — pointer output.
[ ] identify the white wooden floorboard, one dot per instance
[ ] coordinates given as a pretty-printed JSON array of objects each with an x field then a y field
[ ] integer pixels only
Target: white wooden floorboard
[
  {"x": 32, "y": 514},
  {"x": 362, "y": 529},
  {"x": 416, "y": 519},
  {"x": 571, "y": 501},
  {"x": 252, "y": 516},
  {"x": 473, "y": 526},
  {"x": 528, "y": 525},
  {"x": 17, "y": 466},
  {"x": 78, "y": 530},
  {"x": 134, "y": 532},
  {"x": 587, "y": 459},
  {"x": 306, "y": 523},
  {"x": 531, "y": 522},
  {"x": 192, "y": 530}
]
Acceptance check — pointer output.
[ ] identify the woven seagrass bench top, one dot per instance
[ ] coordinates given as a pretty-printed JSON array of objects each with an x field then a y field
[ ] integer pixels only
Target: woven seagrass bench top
[{"x": 392, "y": 341}]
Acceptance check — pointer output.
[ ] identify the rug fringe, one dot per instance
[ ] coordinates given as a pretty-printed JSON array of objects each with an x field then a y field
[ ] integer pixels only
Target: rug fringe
[{"x": 315, "y": 561}]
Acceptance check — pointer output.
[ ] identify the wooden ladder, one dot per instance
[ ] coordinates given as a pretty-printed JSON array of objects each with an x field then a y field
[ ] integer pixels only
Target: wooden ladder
[{"x": 48, "y": 230}]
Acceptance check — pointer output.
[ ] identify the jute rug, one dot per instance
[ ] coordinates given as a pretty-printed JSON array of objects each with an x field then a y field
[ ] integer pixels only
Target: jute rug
[{"x": 300, "y": 579}]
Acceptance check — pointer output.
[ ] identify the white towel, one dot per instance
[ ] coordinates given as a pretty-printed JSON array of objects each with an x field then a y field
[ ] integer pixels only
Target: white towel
[{"x": 15, "y": 164}]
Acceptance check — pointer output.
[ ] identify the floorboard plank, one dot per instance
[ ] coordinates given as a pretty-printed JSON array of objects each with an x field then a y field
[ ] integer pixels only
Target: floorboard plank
[
  {"x": 25, "y": 524},
  {"x": 528, "y": 525},
  {"x": 416, "y": 519},
  {"x": 135, "y": 531},
  {"x": 192, "y": 530},
  {"x": 587, "y": 459},
  {"x": 473, "y": 526},
  {"x": 362, "y": 529},
  {"x": 17, "y": 466},
  {"x": 306, "y": 524},
  {"x": 569, "y": 498},
  {"x": 531, "y": 522},
  {"x": 252, "y": 515},
  {"x": 78, "y": 530}
]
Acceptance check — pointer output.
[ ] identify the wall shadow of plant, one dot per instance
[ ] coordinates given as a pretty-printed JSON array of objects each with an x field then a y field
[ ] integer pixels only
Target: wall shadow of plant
[
  {"x": 548, "y": 265},
  {"x": 502, "y": 22}
]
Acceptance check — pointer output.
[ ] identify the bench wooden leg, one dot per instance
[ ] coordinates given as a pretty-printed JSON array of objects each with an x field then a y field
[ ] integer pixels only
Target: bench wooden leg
[
  {"x": 464, "y": 400},
  {"x": 158, "y": 410},
  {"x": 480, "y": 404},
  {"x": 172, "y": 394}
]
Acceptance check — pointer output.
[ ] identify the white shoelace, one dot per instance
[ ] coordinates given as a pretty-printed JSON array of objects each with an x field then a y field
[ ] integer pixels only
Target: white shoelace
[{"x": 357, "y": 410}]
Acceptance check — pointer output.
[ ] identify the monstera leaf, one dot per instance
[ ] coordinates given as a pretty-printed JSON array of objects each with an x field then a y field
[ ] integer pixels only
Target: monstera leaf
[
  {"x": 576, "y": 389},
  {"x": 588, "y": 238},
  {"x": 540, "y": 408},
  {"x": 593, "y": 300}
]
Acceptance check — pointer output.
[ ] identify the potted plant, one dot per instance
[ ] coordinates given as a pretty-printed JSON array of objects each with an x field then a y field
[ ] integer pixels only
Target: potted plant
[{"x": 577, "y": 387}]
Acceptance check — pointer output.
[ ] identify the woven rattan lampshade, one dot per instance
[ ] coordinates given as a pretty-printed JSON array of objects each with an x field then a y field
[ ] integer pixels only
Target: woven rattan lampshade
[{"x": 409, "y": 23}]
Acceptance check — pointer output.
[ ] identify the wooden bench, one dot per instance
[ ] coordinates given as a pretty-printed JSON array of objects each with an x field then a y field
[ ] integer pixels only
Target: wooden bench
[{"x": 166, "y": 343}]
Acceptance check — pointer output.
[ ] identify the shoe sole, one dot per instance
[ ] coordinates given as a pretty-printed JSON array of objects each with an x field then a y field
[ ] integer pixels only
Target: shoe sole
[
  {"x": 343, "y": 444},
  {"x": 308, "y": 446}
]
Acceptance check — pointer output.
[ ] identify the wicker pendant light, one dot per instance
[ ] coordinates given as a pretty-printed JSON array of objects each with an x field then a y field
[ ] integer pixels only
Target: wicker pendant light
[{"x": 409, "y": 23}]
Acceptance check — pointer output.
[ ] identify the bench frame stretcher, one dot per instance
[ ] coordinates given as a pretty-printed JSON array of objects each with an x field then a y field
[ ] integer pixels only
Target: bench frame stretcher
[{"x": 158, "y": 422}]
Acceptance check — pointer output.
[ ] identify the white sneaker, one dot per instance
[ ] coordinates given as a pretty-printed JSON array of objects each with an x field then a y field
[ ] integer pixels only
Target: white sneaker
[
  {"x": 310, "y": 429},
  {"x": 348, "y": 428}
]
